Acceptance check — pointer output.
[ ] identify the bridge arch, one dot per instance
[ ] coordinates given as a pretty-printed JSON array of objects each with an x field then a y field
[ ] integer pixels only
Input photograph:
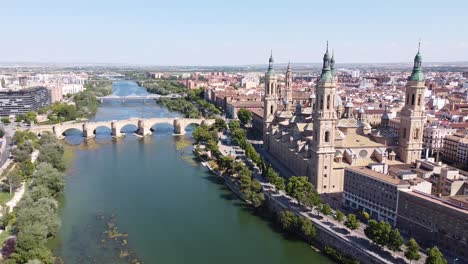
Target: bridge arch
[
  {"x": 102, "y": 129},
  {"x": 72, "y": 131},
  {"x": 128, "y": 128}
]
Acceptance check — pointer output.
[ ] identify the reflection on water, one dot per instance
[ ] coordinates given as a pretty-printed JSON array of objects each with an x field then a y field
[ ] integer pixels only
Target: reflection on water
[{"x": 172, "y": 209}]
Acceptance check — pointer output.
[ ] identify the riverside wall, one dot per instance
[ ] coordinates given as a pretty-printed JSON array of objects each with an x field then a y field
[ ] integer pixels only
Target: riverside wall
[{"x": 325, "y": 237}]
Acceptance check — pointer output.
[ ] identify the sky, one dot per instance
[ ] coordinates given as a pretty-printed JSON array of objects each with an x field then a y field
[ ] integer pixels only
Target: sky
[{"x": 231, "y": 32}]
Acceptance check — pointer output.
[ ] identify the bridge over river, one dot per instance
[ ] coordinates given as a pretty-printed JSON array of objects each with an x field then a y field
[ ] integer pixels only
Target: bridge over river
[
  {"x": 144, "y": 126},
  {"x": 135, "y": 97}
]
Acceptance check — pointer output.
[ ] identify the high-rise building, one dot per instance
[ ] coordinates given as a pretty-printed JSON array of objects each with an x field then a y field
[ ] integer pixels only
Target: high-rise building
[{"x": 14, "y": 102}]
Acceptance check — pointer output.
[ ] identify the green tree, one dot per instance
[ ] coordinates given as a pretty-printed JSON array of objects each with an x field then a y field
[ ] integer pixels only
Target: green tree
[
  {"x": 2, "y": 83},
  {"x": 434, "y": 256},
  {"x": 287, "y": 219},
  {"x": 325, "y": 209},
  {"x": 307, "y": 227},
  {"x": 303, "y": 191},
  {"x": 6, "y": 120},
  {"x": 219, "y": 124},
  {"x": 244, "y": 115},
  {"x": 365, "y": 216},
  {"x": 30, "y": 117},
  {"x": 14, "y": 180},
  {"x": 225, "y": 163},
  {"x": 50, "y": 177},
  {"x": 202, "y": 134},
  {"x": 352, "y": 222},
  {"x": 52, "y": 153},
  {"x": 395, "y": 240},
  {"x": 234, "y": 125},
  {"x": 2, "y": 133},
  {"x": 412, "y": 250},
  {"x": 339, "y": 216},
  {"x": 26, "y": 168}
]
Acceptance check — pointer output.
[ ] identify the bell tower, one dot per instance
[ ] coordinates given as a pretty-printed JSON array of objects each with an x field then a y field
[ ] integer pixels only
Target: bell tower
[
  {"x": 412, "y": 114},
  {"x": 288, "y": 87},
  {"x": 270, "y": 100},
  {"x": 324, "y": 118}
]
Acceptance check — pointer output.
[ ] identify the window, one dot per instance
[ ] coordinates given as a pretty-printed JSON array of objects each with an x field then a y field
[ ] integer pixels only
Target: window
[
  {"x": 328, "y": 101},
  {"x": 327, "y": 136},
  {"x": 419, "y": 99},
  {"x": 321, "y": 102},
  {"x": 271, "y": 109},
  {"x": 412, "y": 99},
  {"x": 404, "y": 132}
]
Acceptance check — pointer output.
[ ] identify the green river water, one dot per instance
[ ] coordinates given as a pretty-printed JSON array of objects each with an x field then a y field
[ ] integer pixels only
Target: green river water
[{"x": 170, "y": 208}]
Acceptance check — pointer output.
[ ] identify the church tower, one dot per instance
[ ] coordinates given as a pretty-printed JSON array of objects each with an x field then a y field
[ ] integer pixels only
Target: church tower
[
  {"x": 324, "y": 118},
  {"x": 270, "y": 101},
  {"x": 412, "y": 114},
  {"x": 287, "y": 100}
]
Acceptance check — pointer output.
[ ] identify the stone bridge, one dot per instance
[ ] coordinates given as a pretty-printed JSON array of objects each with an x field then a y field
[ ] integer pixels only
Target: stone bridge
[{"x": 144, "y": 126}]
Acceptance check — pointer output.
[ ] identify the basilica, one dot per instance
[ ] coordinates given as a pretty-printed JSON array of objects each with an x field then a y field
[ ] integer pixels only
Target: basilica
[{"x": 319, "y": 139}]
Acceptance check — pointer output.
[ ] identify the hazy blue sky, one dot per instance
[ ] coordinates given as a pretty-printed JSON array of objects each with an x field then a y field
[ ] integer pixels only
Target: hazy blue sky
[{"x": 222, "y": 32}]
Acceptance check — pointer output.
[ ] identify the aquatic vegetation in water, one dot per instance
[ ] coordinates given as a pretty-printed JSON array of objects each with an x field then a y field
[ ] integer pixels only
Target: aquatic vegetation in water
[
  {"x": 182, "y": 143},
  {"x": 114, "y": 239}
]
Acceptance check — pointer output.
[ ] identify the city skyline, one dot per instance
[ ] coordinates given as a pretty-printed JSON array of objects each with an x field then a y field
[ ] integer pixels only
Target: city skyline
[{"x": 208, "y": 33}]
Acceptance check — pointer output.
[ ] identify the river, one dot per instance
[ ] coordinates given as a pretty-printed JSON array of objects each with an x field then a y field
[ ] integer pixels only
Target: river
[{"x": 172, "y": 209}]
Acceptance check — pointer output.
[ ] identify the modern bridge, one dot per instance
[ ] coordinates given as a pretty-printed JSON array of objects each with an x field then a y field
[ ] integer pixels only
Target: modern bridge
[
  {"x": 135, "y": 97},
  {"x": 144, "y": 126}
]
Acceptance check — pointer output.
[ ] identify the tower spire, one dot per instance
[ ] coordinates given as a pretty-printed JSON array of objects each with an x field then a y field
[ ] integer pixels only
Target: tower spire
[
  {"x": 270, "y": 64},
  {"x": 326, "y": 71},
  {"x": 417, "y": 74}
]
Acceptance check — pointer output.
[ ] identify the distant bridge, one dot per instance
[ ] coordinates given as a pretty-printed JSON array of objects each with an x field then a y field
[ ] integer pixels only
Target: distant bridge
[
  {"x": 144, "y": 126},
  {"x": 135, "y": 97}
]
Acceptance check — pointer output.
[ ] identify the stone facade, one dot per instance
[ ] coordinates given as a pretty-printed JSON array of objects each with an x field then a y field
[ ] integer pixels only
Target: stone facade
[{"x": 322, "y": 137}]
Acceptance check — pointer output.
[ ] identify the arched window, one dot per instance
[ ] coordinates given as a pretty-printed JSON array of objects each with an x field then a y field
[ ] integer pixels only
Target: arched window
[
  {"x": 412, "y": 99},
  {"x": 419, "y": 99},
  {"x": 328, "y": 101},
  {"x": 327, "y": 136},
  {"x": 416, "y": 133},
  {"x": 321, "y": 102},
  {"x": 271, "y": 109},
  {"x": 407, "y": 98}
]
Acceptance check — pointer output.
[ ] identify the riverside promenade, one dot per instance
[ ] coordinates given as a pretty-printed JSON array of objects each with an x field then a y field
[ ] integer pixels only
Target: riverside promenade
[{"x": 353, "y": 243}]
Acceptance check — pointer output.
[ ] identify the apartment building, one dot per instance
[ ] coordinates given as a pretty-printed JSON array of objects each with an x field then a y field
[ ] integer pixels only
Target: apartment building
[{"x": 14, "y": 102}]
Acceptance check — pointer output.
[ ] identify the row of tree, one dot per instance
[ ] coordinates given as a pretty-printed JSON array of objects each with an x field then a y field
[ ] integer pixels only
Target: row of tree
[
  {"x": 300, "y": 225},
  {"x": 35, "y": 219}
]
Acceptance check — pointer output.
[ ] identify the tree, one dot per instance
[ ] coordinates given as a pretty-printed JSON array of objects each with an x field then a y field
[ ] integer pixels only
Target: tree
[
  {"x": 52, "y": 153},
  {"x": 325, "y": 209},
  {"x": 352, "y": 222},
  {"x": 5, "y": 120},
  {"x": 339, "y": 216},
  {"x": 50, "y": 177},
  {"x": 412, "y": 250},
  {"x": 365, "y": 216},
  {"x": 244, "y": 115},
  {"x": 395, "y": 240},
  {"x": 287, "y": 219},
  {"x": 307, "y": 227},
  {"x": 2, "y": 83},
  {"x": 234, "y": 125},
  {"x": 220, "y": 124},
  {"x": 303, "y": 191},
  {"x": 434, "y": 256},
  {"x": 202, "y": 134},
  {"x": 14, "y": 180},
  {"x": 26, "y": 168},
  {"x": 2, "y": 133}
]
